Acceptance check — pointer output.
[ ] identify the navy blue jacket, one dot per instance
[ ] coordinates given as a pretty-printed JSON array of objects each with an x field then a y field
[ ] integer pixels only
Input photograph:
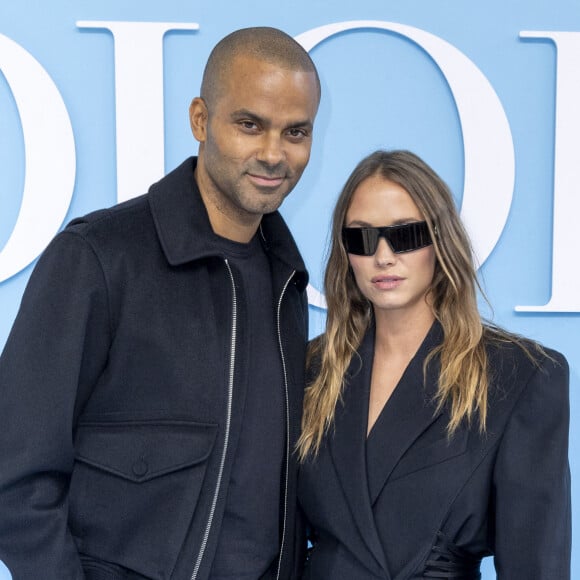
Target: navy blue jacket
[
  {"x": 410, "y": 503},
  {"x": 122, "y": 387}
]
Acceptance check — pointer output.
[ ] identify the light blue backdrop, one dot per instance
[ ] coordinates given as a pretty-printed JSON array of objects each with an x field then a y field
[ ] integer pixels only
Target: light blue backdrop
[{"x": 381, "y": 89}]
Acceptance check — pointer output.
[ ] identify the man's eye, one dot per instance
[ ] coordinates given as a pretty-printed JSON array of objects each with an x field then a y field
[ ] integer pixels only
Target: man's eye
[
  {"x": 297, "y": 133},
  {"x": 248, "y": 125}
]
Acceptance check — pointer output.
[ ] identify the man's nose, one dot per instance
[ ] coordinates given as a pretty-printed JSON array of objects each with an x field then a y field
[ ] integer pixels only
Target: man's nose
[{"x": 271, "y": 149}]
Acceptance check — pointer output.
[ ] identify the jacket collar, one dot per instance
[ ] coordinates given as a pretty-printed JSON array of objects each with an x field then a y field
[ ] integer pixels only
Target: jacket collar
[
  {"x": 409, "y": 411},
  {"x": 348, "y": 446},
  {"x": 348, "y": 443},
  {"x": 185, "y": 232}
]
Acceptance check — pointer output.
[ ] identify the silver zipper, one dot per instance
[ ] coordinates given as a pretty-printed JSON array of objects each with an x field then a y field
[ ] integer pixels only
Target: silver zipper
[
  {"x": 287, "y": 424},
  {"x": 228, "y": 422}
]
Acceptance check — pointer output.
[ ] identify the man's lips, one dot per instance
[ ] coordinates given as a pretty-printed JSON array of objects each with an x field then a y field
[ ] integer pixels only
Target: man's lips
[{"x": 266, "y": 180}]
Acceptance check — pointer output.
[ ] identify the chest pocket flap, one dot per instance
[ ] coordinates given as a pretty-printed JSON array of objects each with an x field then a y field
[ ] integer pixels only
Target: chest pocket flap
[{"x": 143, "y": 450}]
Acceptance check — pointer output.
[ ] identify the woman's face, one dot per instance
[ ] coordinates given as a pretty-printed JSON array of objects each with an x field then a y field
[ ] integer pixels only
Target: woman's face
[{"x": 396, "y": 283}]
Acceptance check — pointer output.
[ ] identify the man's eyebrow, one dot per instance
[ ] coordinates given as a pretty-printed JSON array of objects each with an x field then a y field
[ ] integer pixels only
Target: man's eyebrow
[
  {"x": 247, "y": 114},
  {"x": 305, "y": 124},
  {"x": 239, "y": 113},
  {"x": 244, "y": 113}
]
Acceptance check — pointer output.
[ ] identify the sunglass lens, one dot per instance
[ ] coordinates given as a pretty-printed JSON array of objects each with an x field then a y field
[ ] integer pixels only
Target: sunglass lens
[{"x": 360, "y": 241}]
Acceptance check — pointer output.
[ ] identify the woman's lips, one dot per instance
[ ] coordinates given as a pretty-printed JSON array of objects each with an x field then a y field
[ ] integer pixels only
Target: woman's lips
[{"x": 386, "y": 282}]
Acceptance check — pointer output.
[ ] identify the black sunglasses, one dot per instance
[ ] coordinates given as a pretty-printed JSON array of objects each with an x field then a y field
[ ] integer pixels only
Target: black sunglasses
[{"x": 403, "y": 238}]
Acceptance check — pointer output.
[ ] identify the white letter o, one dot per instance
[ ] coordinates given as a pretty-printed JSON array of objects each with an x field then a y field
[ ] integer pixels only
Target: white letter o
[
  {"x": 487, "y": 139},
  {"x": 49, "y": 155}
]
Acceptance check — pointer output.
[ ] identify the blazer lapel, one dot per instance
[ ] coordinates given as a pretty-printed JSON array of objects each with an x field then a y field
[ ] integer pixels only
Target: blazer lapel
[
  {"x": 348, "y": 446},
  {"x": 406, "y": 415}
]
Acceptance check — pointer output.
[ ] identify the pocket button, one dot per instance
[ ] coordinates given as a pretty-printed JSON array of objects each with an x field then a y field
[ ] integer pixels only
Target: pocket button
[{"x": 140, "y": 467}]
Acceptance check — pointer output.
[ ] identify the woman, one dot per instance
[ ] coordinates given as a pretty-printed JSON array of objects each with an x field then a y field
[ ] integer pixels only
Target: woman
[{"x": 430, "y": 439}]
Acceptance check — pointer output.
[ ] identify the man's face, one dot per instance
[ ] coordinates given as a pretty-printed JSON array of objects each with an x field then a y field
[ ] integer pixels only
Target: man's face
[{"x": 255, "y": 139}]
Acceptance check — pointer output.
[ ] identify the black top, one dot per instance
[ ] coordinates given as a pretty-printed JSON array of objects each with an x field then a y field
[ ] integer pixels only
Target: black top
[{"x": 249, "y": 539}]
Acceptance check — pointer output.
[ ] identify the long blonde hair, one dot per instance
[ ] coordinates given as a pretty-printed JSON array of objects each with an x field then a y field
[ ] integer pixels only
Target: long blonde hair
[{"x": 463, "y": 378}]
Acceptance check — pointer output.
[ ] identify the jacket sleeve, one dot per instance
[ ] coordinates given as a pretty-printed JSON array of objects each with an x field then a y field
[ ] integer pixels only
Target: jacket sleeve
[
  {"x": 532, "y": 481},
  {"x": 54, "y": 354}
]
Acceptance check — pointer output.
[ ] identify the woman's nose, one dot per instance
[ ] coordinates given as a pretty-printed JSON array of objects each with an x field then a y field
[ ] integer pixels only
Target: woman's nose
[{"x": 384, "y": 255}]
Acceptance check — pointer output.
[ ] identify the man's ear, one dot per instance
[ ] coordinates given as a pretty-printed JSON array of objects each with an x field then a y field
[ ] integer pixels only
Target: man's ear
[{"x": 198, "y": 119}]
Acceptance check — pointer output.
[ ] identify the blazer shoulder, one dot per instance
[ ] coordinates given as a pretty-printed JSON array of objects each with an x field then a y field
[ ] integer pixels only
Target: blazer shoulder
[
  {"x": 507, "y": 351},
  {"x": 557, "y": 359},
  {"x": 519, "y": 365}
]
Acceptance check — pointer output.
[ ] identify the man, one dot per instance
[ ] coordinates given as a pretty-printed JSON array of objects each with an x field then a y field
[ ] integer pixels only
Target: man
[{"x": 151, "y": 386}]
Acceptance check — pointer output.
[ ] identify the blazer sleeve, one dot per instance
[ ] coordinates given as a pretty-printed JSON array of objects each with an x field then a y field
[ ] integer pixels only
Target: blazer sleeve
[
  {"x": 56, "y": 350},
  {"x": 532, "y": 480}
]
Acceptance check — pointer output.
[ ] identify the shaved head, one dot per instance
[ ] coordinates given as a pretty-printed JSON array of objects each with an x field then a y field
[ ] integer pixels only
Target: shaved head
[
  {"x": 261, "y": 43},
  {"x": 254, "y": 123}
]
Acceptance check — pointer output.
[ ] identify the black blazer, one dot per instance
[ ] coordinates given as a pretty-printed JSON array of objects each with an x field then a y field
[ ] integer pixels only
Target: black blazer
[{"x": 409, "y": 503}]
